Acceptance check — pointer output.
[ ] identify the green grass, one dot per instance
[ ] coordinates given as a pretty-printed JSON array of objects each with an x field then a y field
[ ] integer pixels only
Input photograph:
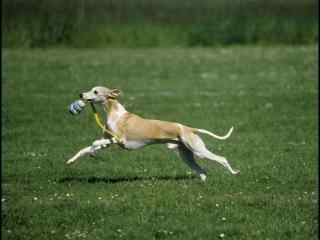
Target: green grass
[{"x": 269, "y": 94}]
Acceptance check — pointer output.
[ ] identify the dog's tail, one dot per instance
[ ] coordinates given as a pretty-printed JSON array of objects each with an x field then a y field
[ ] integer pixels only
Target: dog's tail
[{"x": 214, "y": 135}]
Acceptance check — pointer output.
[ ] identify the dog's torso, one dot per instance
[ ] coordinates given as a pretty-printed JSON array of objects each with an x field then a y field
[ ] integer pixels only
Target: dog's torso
[{"x": 135, "y": 131}]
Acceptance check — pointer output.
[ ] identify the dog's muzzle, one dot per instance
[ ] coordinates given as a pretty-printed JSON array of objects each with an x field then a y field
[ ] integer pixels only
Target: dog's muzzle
[{"x": 82, "y": 98}]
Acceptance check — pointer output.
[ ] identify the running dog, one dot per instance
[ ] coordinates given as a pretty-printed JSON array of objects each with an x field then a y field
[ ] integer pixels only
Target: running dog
[{"x": 131, "y": 131}]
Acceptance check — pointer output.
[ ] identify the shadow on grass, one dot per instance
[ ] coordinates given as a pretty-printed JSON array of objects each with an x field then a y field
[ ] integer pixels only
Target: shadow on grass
[{"x": 123, "y": 179}]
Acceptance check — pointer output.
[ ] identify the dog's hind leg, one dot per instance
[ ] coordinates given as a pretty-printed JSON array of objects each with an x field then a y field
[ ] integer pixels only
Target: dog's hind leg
[
  {"x": 188, "y": 158},
  {"x": 209, "y": 155},
  {"x": 91, "y": 150},
  {"x": 197, "y": 146}
]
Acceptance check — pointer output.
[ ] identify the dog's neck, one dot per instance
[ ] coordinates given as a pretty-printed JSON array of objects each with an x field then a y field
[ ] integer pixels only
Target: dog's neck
[{"x": 113, "y": 106}]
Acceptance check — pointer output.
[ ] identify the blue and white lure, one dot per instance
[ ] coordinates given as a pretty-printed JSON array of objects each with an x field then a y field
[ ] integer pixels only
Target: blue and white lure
[{"x": 76, "y": 107}]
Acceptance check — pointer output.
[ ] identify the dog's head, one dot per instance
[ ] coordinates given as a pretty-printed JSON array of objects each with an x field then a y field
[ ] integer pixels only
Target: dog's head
[{"x": 100, "y": 94}]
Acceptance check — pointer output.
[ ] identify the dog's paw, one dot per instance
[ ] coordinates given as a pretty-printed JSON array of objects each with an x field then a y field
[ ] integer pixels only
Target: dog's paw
[
  {"x": 69, "y": 161},
  {"x": 235, "y": 172},
  {"x": 203, "y": 177}
]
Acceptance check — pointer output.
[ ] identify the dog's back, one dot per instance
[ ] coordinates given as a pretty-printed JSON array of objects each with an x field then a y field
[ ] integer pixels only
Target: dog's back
[{"x": 134, "y": 127}]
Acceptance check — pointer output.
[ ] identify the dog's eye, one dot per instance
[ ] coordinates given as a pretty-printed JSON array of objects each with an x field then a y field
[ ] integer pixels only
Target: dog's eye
[{"x": 95, "y": 92}]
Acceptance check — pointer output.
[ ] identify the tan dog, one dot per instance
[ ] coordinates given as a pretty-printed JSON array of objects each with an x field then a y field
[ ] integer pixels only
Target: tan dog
[{"x": 134, "y": 132}]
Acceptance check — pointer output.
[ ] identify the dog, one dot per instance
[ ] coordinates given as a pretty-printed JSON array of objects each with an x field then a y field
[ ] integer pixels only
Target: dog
[{"x": 131, "y": 131}]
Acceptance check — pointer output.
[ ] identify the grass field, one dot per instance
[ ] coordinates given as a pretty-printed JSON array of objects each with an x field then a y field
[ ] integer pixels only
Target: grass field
[{"x": 269, "y": 94}]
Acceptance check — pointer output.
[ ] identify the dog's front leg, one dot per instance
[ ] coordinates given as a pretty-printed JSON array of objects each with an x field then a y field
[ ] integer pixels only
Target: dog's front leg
[
  {"x": 81, "y": 153},
  {"x": 91, "y": 150}
]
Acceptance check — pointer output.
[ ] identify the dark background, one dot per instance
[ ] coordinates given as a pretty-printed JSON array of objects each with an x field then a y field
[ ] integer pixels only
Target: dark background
[{"x": 157, "y": 23}]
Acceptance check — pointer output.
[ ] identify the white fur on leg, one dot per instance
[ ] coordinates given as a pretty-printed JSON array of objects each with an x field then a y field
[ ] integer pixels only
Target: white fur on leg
[
  {"x": 82, "y": 152},
  {"x": 101, "y": 143},
  {"x": 96, "y": 145},
  {"x": 209, "y": 155},
  {"x": 198, "y": 148}
]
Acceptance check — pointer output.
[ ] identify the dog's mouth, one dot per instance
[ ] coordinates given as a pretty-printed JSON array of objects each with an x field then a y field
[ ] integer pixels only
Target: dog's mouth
[
  {"x": 89, "y": 100},
  {"x": 83, "y": 97}
]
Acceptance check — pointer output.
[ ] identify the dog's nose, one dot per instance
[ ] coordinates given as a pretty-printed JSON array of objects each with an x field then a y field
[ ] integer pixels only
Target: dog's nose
[{"x": 81, "y": 95}]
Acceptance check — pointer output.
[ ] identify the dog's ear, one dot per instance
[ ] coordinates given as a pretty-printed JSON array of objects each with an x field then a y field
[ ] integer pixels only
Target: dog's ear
[{"x": 115, "y": 93}]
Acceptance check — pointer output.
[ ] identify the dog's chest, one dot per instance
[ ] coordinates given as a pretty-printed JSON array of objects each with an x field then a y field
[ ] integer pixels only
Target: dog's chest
[
  {"x": 112, "y": 124},
  {"x": 113, "y": 119}
]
